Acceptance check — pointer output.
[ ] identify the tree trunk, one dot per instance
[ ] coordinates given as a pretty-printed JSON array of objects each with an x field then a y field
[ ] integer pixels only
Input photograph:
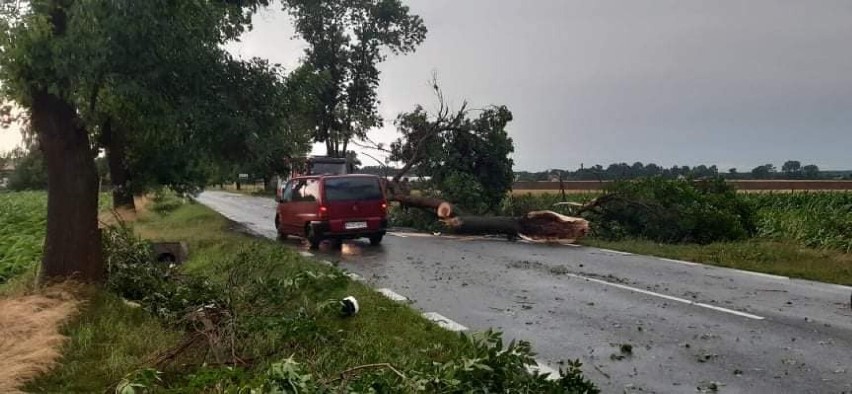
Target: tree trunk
[
  {"x": 441, "y": 208},
  {"x": 72, "y": 245},
  {"x": 484, "y": 225},
  {"x": 268, "y": 183},
  {"x": 116, "y": 153},
  {"x": 537, "y": 225}
]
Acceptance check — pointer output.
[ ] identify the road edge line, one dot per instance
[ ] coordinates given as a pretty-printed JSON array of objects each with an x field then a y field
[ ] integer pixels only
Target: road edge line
[
  {"x": 394, "y": 296},
  {"x": 444, "y": 322},
  {"x": 670, "y": 298}
]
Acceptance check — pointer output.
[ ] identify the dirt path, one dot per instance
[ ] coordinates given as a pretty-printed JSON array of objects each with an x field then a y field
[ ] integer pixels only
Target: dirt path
[{"x": 30, "y": 338}]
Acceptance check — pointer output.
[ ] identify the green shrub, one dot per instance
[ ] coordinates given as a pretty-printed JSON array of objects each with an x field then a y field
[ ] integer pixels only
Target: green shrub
[
  {"x": 674, "y": 211},
  {"x": 415, "y": 218},
  {"x": 160, "y": 288},
  {"x": 30, "y": 172},
  {"x": 519, "y": 205},
  {"x": 165, "y": 202}
]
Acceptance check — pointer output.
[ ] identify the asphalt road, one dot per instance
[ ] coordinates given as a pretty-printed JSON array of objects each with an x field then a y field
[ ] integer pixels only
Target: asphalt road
[{"x": 689, "y": 326}]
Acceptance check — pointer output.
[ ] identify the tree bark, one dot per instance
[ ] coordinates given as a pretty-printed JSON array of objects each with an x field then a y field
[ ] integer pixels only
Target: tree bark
[
  {"x": 443, "y": 209},
  {"x": 484, "y": 225},
  {"x": 268, "y": 183},
  {"x": 72, "y": 245},
  {"x": 538, "y": 225},
  {"x": 116, "y": 153}
]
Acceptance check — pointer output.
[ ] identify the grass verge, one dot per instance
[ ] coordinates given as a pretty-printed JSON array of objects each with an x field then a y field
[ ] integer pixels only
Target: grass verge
[
  {"x": 779, "y": 258},
  {"x": 269, "y": 307}
]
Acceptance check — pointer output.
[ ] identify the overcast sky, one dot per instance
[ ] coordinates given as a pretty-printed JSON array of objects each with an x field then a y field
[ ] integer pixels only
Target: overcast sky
[{"x": 732, "y": 83}]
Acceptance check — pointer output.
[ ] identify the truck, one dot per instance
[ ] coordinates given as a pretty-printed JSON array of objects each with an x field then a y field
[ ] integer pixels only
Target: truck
[{"x": 313, "y": 165}]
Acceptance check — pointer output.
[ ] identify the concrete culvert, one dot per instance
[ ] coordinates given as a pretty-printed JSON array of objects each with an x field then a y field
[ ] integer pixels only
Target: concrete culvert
[{"x": 166, "y": 258}]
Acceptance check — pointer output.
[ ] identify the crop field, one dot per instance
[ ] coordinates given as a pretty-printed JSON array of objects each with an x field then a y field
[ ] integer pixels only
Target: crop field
[
  {"x": 22, "y": 221},
  {"x": 22, "y": 226},
  {"x": 819, "y": 220}
]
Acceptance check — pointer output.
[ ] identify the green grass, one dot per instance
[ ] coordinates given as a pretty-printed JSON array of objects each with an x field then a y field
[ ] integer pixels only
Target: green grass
[
  {"x": 779, "y": 258},
  {"x": 384, "y": 331},
  {"x": 111, "y": 339}
]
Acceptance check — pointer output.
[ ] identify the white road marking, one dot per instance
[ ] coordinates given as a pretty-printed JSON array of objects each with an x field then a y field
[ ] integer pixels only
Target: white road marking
[
  {"x": 405, "y": 235},
  {"x": 616, "y": 252},
  {"x": 355, "y": 276},
  {"x": 306, "y": 254},
  {"x": 543, "y": 369},
  {"x": 668, "y": 297},
  {"x": 680, "y": 262},
  {"x": 444, "y": 322},
  {"x": 392, "y": 295}
]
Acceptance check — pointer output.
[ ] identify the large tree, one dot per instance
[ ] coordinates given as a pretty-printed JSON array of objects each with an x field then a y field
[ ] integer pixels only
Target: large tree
[
  {"x": 56, "y": 57},
  {"x": 346, "y": 42}
]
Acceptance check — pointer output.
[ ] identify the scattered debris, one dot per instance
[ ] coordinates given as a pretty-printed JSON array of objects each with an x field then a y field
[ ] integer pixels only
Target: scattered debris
[{"x": 708, "y": 386}]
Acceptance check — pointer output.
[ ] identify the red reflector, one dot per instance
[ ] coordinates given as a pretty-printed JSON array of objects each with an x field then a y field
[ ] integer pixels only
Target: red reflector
[
  {"x": 323, "y": 209},
  {"x": 384, "y": 205}
]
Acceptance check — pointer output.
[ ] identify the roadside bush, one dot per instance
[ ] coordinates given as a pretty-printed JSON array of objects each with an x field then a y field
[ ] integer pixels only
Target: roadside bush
[
  {"x": 674, "y": 211},
  {"x": 30, "y": 172},
  {"x": 465, "y": 191},
  {"x": 518, "y": 205},
  {"x": 165, "y": 202},
  {"x": 159, "y": 288},
  {"x": 414, "y": 218}
]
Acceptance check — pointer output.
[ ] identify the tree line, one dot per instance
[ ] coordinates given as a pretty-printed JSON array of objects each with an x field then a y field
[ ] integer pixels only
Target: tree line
[{"x": 791, "y": 169}]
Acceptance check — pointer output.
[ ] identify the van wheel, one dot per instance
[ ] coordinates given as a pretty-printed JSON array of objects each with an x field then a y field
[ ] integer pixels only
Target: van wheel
[
  {"x": 312, "y": 237},
  {"x": 375, "y": 240}
]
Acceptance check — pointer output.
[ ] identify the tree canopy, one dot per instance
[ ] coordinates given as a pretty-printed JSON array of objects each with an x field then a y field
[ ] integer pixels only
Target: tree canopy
[
  {"x": 346, "y": 42},
  {"x": 151, "y": 75}
]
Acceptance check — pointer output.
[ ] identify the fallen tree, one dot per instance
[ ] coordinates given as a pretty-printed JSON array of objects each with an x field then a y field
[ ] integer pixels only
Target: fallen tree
[
  {"x": 544, "y": 226},
  {"x": 468, "y": 159}
]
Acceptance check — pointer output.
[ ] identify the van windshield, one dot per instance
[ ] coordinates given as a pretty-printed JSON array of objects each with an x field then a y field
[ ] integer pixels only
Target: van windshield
[{"x": 352, "y": 189}]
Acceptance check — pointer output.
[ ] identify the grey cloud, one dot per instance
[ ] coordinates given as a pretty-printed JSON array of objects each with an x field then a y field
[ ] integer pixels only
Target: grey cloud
[{"x": 734, "y": 83}]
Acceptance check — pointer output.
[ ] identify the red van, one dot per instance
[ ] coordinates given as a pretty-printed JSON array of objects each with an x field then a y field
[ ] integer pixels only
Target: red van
[{"x": 332, "y": 207}]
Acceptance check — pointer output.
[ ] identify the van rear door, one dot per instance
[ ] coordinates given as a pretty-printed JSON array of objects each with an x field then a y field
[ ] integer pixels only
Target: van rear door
[{"x": 354, "y": 199}]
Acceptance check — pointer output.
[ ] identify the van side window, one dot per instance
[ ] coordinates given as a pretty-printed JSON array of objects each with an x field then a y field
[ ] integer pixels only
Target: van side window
[
  {"x": 298, "y": 190},
  {"x": 311, "y": 192},
  {"x": 287, "y": 194}
]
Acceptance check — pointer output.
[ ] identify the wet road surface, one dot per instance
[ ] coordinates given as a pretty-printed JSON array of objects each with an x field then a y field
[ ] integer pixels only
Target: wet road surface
[{"x": 637, "y": 323}]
